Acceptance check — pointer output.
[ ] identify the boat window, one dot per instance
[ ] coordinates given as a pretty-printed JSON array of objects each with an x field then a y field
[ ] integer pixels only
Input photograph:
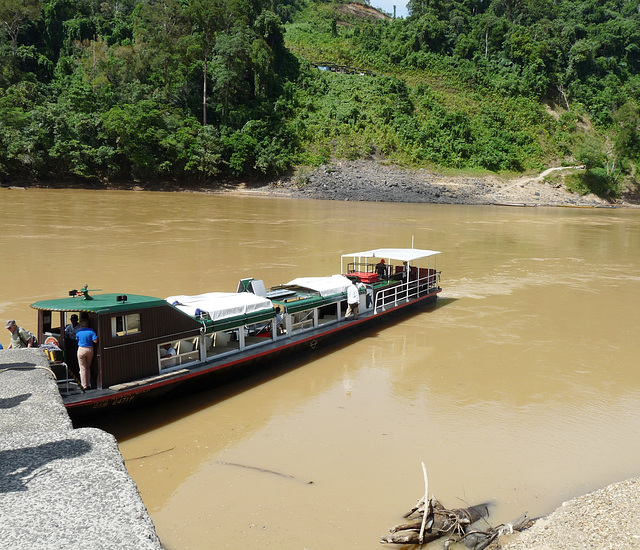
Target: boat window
[
  {"x": 222, "y": 342},
  {"x": 327, "y": 313},
  {"x": 178, "y": 352},
  {"x": 302, "y": 320},
  {"x": 259, "y": 333},
  {"x": 168, "y": 354},
  {"x": 122, "y": 325}
]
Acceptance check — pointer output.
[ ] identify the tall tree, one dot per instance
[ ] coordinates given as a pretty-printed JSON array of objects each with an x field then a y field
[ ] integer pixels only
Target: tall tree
[
  {"x": 230, "y": 68},
  {"x": 207, "y": 16},
  {"x": 163, "y": 24},
  {"x": 14, "y": 13}
]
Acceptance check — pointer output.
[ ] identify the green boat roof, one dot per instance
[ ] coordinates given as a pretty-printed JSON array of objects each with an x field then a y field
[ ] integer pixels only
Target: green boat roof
[{"x": 100, "y": 303}]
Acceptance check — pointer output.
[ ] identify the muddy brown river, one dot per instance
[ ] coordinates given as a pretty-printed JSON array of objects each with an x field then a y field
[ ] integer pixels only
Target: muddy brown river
[{"x": 520, "y": 387}]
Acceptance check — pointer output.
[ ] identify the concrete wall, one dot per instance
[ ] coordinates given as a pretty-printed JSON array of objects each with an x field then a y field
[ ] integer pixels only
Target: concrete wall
[{"x": 60, "y": 487}]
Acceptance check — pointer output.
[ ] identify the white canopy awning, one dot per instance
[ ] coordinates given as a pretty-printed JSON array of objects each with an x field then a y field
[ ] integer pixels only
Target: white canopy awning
[
  {"x": 401, "y": 254},
  {"x": 221, "y": 305},
  {"x": 325, "y": 286}
]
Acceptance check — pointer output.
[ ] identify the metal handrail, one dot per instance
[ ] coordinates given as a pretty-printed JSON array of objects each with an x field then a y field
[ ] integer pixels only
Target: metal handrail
[
  {"x": 360, "y": 267},
  {"x": 406, "y": 291}
]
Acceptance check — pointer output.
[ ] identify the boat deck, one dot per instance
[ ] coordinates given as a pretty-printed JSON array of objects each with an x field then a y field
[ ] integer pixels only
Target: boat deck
[
  {"x": 146, "y": 347},
  {"x": 309, "y": 337}
]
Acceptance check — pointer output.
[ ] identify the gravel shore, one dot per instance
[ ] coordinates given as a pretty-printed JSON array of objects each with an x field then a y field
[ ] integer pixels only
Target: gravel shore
[
  {"x": 606, "y": 519},
  {"x": 367, "y": 180}
]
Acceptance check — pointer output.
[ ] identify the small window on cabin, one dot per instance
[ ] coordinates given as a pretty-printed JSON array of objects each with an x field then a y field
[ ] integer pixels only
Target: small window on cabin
[
  {"x": 46, "y": 321},
  {"x": 123, "y": 325}
]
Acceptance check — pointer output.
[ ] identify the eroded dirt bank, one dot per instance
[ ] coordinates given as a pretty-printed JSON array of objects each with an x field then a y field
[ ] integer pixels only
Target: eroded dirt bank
[{"x": 363, "y": 180}]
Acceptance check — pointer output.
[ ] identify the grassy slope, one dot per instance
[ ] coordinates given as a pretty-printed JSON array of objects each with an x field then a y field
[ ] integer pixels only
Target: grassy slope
[{"x": 446, "y": 122}]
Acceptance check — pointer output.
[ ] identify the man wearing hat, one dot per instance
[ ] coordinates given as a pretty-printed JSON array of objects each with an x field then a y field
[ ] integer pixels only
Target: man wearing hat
[
  {"x": 20, "y": 338},
  {"x": 70, "y": 329},
  {"x": 381, "y": 270}
]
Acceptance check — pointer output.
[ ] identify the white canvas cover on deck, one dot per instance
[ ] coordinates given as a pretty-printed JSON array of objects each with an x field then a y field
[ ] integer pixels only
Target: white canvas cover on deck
[
  {"x": 402, "y": 254},
  {"x": 221, "y": 305},
  {"x": 325, "y": 286}
]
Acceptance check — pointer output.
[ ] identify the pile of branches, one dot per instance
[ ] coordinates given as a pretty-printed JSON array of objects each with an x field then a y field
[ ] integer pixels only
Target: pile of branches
[{"x": 430, "y": 520}]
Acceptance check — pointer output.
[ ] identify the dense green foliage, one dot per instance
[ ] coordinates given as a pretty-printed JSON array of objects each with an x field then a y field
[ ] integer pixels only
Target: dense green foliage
[
  {"x": 200, "y": 89},
  {"x": 145, "y": 90},
  {"x": 501, "y": 84}
]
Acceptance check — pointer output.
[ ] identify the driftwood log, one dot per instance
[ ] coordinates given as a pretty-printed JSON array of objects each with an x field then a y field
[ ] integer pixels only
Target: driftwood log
[
  {"x": 439, "y": 522},
  {"x": 430, "y": 520},
  {"x": 479, "y": 540}
]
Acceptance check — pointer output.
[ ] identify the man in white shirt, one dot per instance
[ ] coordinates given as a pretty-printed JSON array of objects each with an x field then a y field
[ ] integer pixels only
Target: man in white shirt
[
  {"x": 353, "y": 300},
  {"x": 168, "y": 351}
]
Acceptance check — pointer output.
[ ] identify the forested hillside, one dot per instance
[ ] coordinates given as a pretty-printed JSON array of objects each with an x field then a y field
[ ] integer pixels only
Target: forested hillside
[{"x": 195, "y": 90}]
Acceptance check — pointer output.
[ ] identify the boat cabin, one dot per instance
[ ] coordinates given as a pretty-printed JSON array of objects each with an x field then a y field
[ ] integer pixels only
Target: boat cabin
[{"x": 131, "y": 330}]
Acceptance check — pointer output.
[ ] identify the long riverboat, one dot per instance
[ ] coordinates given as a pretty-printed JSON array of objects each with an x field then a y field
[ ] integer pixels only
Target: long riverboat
[{"x": 149, "y": 346}]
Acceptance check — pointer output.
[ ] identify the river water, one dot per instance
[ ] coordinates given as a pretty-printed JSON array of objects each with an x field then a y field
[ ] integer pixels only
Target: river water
[{"x": 520, "y": 387}]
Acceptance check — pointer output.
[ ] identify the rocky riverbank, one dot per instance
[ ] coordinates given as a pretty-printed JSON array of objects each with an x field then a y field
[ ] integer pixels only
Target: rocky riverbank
[
  {"x": 606, "y": 519},
  {"x": 372, "y": 180},
  {"x": 365, "y": 180}
]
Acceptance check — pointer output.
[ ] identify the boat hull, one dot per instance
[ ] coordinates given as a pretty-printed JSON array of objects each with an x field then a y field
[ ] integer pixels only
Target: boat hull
[{"x": 216, "y": 373}]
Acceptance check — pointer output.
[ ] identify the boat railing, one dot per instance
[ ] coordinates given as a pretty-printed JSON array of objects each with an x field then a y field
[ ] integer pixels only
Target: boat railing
[
  {"x": 360, "y": 267},
  {"x": 406, "y": 292}
]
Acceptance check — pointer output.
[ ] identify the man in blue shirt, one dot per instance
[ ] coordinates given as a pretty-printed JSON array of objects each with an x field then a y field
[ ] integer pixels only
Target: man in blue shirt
[{"x": 86, "y": 338}]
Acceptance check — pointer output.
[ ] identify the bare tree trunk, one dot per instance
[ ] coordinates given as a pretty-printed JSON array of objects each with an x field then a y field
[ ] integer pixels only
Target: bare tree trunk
[
  {"x": 204, "y": 92},
  {"x": 14, "y": 42},
  {"x": 564, "y": 96},
  {"x": 486, "y": 43}
]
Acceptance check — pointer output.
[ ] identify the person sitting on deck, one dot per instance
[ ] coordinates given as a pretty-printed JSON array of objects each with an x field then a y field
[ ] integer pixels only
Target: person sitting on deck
[
  {"x": 167, "y": 350},
  {"x": 381, "y": 270}
]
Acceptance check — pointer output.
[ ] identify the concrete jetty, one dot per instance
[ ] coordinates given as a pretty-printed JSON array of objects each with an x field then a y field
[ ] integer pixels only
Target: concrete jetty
[{"x": 60, "y": 487}]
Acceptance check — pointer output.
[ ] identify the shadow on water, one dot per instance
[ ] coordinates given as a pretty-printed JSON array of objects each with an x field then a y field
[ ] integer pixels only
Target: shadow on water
[
  {"x": 19, "y": 466},
  {"x": 127, "y": 424}
]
